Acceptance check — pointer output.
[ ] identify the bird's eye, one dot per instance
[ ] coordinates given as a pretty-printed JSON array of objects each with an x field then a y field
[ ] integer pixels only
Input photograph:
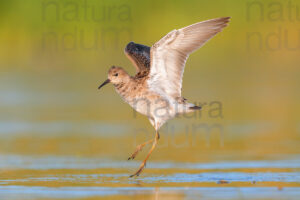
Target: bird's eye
[{"x": 116, "y": 74}]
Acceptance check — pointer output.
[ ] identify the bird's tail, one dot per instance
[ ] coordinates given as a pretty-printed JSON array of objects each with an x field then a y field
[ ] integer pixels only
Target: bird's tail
[
  {"x": 195, "y": 107},
  {"x": 188, "y": 108}
]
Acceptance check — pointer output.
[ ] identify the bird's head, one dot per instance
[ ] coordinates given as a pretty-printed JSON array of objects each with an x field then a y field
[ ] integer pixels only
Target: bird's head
[{"x": 116, "y": 75}]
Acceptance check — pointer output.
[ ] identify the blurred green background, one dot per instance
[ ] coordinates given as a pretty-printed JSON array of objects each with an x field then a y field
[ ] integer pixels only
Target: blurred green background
[{"x": 54, "y": 54}]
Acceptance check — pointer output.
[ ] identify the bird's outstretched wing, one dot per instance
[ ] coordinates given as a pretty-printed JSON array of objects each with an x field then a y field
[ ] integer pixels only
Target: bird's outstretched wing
[
  {"x": 168, "y": 55},
  {"x": 139, "y": 55}
]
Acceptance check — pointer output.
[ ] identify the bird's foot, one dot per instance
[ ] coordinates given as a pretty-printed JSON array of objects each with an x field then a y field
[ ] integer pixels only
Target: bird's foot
[
  {"x": 139, "y": 171},
  {"x": 137, "y": 150}
]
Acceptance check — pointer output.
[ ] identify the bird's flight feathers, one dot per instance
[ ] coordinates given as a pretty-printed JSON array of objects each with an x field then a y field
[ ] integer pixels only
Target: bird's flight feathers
[{"x": 168, "y": 55}]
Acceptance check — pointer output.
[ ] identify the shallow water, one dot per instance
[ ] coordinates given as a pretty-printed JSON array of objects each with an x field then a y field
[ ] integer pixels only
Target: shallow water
[
  {"x": 21, "y": 192},
  {"x": 65, "y": 177},
  {"x": 42, "y": 158}
]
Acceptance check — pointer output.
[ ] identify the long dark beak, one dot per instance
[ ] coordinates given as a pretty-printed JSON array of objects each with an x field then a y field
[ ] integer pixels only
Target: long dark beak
[{"x": 104, "y": 83}]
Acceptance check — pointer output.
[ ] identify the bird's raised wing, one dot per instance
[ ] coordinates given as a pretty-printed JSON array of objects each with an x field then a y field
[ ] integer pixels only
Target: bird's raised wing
[
  {"x": 169, "y": 54},
  {"x": 139, "y": 56}
]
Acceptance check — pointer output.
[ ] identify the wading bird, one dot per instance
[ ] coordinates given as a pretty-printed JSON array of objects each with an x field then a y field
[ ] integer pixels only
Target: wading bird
[{"x": 155, "y": 90}]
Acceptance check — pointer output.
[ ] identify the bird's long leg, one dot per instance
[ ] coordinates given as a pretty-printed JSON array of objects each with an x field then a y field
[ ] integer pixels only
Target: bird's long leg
[
  {"x": 139, "y": 148},
  {"x": 137, "y": 173}
]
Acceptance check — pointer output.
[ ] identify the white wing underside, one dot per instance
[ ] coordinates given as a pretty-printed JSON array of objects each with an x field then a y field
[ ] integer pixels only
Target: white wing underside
[{"x": 169, "y": 54}]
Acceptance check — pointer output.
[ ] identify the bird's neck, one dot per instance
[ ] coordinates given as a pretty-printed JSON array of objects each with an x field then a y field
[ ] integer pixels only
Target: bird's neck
[{"x": 123, "y": 89}]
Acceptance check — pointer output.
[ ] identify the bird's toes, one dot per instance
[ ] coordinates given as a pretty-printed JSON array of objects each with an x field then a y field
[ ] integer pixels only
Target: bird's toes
[
  {"x": 139, "y": 171},
  {"x": 135, "y": 174},
  {"x": 132, "y": 156},
  {"x": 138, "y": 149}
]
